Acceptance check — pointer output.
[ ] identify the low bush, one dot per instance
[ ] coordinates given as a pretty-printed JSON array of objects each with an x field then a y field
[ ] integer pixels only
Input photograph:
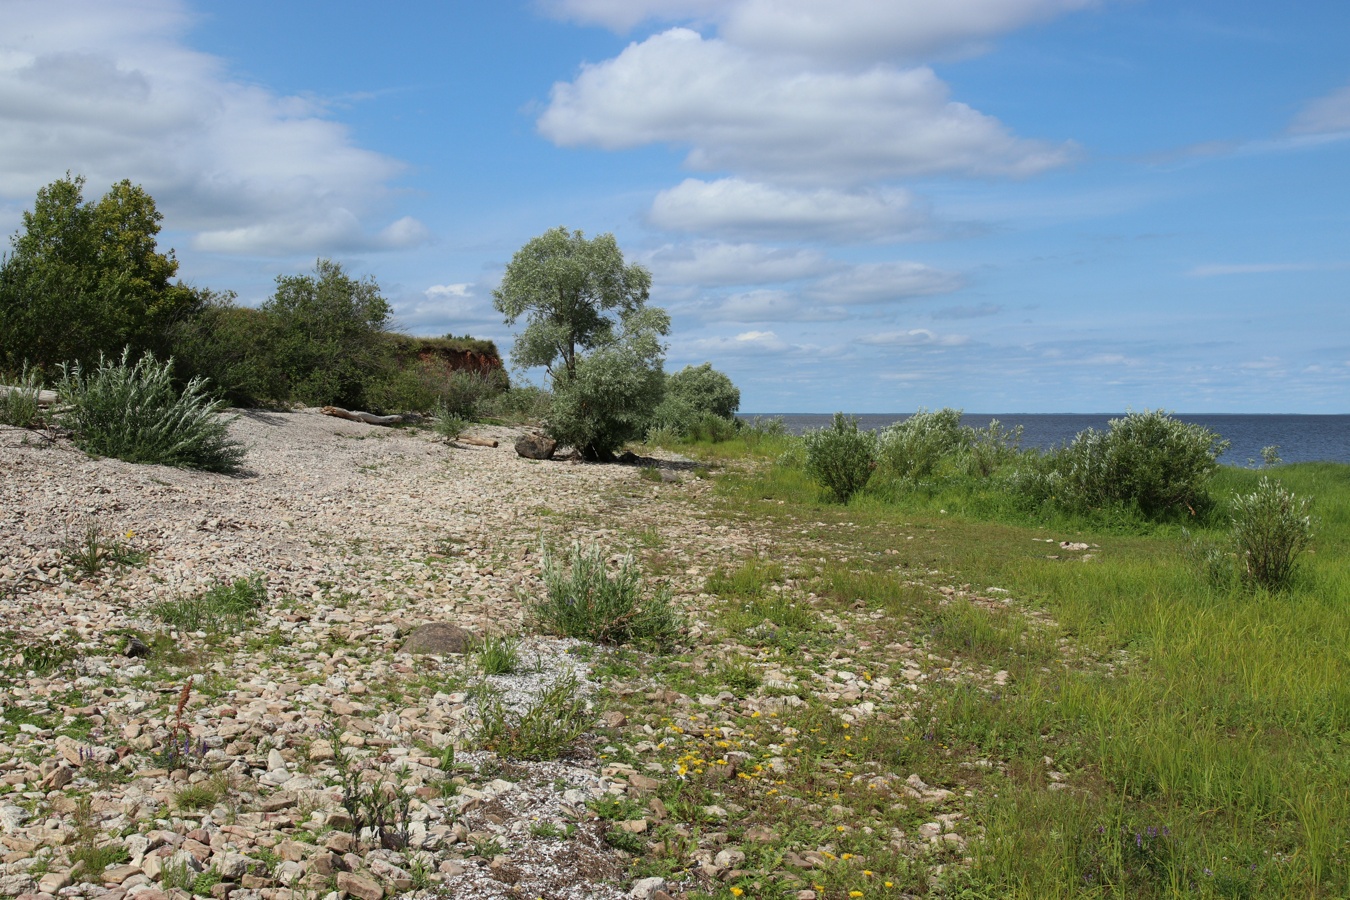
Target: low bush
[
  {"x": 522, "y": 405},
  {"x": 1271, "y": 527},
  {"x": 914, "y": 448},
  {"x": 841, "y": 458},
  {"x": 586, "y": 600},
  {"x": 499, "y": 655},
  {"x": 450, "y": 426},
  {"x": 467, "y": 393},
  {"x": 1148, "y": 460},
  {"x": 19, "y": 405},
  {"x": 134, "y": 413}
]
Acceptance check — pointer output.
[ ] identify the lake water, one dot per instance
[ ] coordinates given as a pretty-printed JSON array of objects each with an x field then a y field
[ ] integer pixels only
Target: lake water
[{"x": 1300, "y": 438}]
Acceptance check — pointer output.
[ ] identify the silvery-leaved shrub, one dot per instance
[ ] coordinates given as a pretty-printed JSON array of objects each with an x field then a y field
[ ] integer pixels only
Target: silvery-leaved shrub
[
  {"x": 915, "y": 447},
  {"x": 1271, "y": 528},
  {"x": 1146, "y": 459},
  {"x": 134, "y": 413},
  {"x": 587, "y": 599},
  {"x": 840, "y": 457}
]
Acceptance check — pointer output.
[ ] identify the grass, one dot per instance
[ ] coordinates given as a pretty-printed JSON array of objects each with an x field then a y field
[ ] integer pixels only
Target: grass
[
  {"x": 548, "y": 727},
  {"x": 1199, "y": 726},
  {"x": 587, "y": 600},
  {"x": 499, "y": 655},
  {"x": 218, "y": 607},
  {"x": 94, "y": 552}
]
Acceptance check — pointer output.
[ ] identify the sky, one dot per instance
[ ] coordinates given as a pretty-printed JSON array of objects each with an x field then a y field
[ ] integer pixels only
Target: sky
[{"x": 861, "y": 205}]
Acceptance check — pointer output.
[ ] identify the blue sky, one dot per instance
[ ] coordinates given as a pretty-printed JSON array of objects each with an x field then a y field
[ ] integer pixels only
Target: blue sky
[{"x": 869, "y": 205}]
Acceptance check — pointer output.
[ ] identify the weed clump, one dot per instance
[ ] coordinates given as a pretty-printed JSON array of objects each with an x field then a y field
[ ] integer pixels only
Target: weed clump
[
  {"x": 213, "y": 609},
  {"x": 841, "y": 458},
  {"x": 19, "y": 405},
  {"x": 546, "y": 728},
  {"x": 584, "y": 599},
  {"x": 1271, "y": 527},
  {"x": 134, "y": 413}
]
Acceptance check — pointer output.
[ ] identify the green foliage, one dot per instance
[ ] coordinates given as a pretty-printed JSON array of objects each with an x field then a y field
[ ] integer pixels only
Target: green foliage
[
  {"x": 548, "y": 727},
  {"x": 589, "y": 601},
  {"x": 525, "y": 404},
  {"x": 85, "y": 279},
  {"x": 914, "y": 448},
  {"x": 1147, "y": 460},
  {"x": 699, "y": 402},
  {"x": 607, "y": 399},
  {"x": 840, "y": 457},
  {"x": 215, "y": 608},
  {"x": 135, "y": 413},
  {"x": 328, "y": 338},
  {"x": 578, "y": 296},
  {"x": 94, "y": 552},
  {"x": 466, "y": 393},
  {"x": 499, "y": 655},
  {"x": 19, "y": 406},
  {"x": 1271, "y": 527},
  {"x": 565, "y": 285},
  {"x": 232, "y": 347},
  {"x": 449, "y": 425}
]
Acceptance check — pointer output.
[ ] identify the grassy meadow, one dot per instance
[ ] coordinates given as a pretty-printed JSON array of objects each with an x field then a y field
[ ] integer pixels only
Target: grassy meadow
[{"x": 1149, "y": 731}]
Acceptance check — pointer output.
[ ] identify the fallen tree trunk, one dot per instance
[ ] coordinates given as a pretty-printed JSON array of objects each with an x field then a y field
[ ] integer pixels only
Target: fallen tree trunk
[
  {"x": 368, "y": 418},
  {"x": 44, "y": 398},
  {"x": 477, "y": 442}
]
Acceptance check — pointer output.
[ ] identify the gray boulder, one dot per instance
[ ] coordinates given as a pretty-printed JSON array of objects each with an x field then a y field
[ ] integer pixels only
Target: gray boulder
[
  {"x": 536, "y": 446},
  {"x": 438, "y": 639}
]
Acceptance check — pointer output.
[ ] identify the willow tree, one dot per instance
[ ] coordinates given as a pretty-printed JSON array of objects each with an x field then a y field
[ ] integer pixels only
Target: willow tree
[{"x": 589, "y": 326}]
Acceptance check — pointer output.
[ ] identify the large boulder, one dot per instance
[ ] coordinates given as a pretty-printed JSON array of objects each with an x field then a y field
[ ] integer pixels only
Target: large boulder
[
  {"x": 536, "y": 446},
  {"x": 438, "y": 639}
]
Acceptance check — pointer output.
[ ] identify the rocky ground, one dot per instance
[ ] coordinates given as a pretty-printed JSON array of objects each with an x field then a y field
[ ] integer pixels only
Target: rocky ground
[{"x": 300, "y": 750}]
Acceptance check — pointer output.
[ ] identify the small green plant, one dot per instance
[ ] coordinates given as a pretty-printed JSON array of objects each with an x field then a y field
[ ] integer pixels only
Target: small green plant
[
  {"x": 546, "y": 830},
  {"x": 203, "y": 794},
  {"x": 547, "y": 728},
  {"x": 1270, "y": 456},
  {"x": 626, "y": 841},
  {"x": 450, "y": 425},
  {"x": 19, "y": 404},
  {"x": 841, "y": 458},
  {"x": 499, "y": 655},
  {"x": 93, "y": 552},
  {"x": 383, "y": 807},
  {"x": 1271, "y": 527},
  {"x": 213, "y": 609},
  {"x": 587, "y": 600},
  {"x": 134, "y": 413}
]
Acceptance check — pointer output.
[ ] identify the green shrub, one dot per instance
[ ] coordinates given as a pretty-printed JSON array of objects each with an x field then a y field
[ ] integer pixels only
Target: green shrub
[
  {"x": 606, "y": 402},
  {"x": 711, "y": 428},
  {"x": 231, "y": 347},
  {"x": 699, "y": 402},
  {"x": 449, "y": 425},
  {"x": 841, "y": 458},
  {"x": 914, "y": 448},
  {"x": 499, "y": 655},
  {"x": 990, "y": 448},
  {"x": 1271, "y": 527},
  {"x": 588, "y": 601},
  {"x": 134, "y": 413},
  {"x": 466, "y": 393},
  {"x": 525, "y": 404},
  {"x": 1147, "y": 460},
  {"x": 19, "y": 406}
]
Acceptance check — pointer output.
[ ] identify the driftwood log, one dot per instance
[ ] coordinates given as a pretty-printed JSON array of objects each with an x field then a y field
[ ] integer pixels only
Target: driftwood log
[
  {"x": 477, "y": 442},
  {"x": 368, "y": 418},
  {"x": 44, "y": 398}
]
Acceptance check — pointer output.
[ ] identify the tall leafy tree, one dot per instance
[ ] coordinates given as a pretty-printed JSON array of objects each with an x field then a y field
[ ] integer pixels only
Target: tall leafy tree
[
  {"x": 87, "y": 278},
  {"x": 328, "y": 333},
  {"x": 588, "y": 324}
]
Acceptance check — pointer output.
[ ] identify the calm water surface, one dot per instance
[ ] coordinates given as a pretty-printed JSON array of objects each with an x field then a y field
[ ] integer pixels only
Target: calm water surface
[{"x": 1300, "y": 438}]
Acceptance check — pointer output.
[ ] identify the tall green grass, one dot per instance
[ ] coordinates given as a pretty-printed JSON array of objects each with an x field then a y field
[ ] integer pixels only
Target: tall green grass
[{"x": 1203, "y": 727}]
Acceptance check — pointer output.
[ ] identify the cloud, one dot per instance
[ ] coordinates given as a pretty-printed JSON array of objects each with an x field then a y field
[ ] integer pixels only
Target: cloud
[
  {"x": 771, "y": 117},
  {"x": 771, "y": 306},
  {"x": 848, "y": 30},
  {"x": 746, "y": 209},
  {"x": 883, "y": 282},
  {"x": 748, "y": 343},
  {"x": 709, "y": 263},
  {"x": 1325, "y": 115},
  {"x": 112, "y": 93},
  {"x": 444, "y": 308},
  {"x": 914, "y": 337}
]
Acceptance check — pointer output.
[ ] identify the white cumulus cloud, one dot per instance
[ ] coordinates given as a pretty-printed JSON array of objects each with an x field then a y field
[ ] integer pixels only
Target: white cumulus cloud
[
  {"x": 770, "y": 117},
  {"x": 112, "y": 91},
  {"x": 839, "y": 29},
  {"x": 738, "y": 208}
]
